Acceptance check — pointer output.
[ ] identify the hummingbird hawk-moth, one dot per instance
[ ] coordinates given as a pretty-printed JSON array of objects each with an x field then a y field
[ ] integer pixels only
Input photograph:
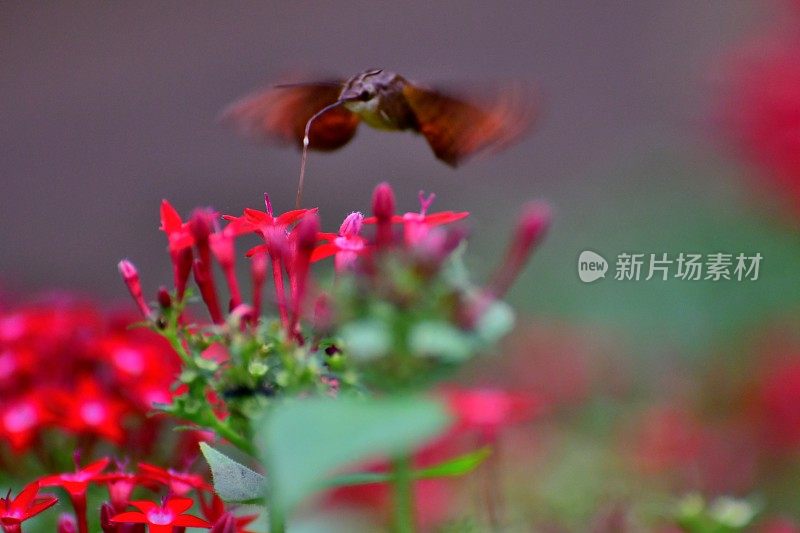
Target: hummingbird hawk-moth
[{"x": 324, "y": 115}]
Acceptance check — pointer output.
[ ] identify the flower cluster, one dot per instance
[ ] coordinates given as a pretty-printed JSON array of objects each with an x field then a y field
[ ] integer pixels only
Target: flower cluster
[
  {"x": 399, "y": 316},
  {"x": 67, "y": 369},
  {"x": 114, "y": 514},
  {"x": 401, "y": 313}
]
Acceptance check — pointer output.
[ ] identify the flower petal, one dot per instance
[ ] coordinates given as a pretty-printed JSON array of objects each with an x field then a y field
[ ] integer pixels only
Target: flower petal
[
  {"x": 190, "y": 521},
  {"x": 130, "y": 517}
]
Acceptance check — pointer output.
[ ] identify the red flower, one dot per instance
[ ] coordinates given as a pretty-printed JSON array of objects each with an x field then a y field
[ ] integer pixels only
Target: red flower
[
  {"x": 778, "y": 403},
  {"x": 264, "y": 222},
  {"x": 179, "y": 234},
  {"x": 76, "y": 483},
  {"x": 20, "y": 421},
  {"x": 162, "y": 518},
  {"x": 214, "y": 511},
  {"x": 24, "y": 506},
  {"x": 180, "y": 242},
  {"x": 417, "y": 225},
  {"x": 179, "y": 483},
  {"x": 89, "y": 409},
  {"x": 489, "y": 410},
  {"x": 762, "y": 111},
  {"x": 346, "y": 246}
]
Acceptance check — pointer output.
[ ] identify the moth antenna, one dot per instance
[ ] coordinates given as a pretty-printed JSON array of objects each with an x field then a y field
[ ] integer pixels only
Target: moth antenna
[{"x": 305, "y": 149}]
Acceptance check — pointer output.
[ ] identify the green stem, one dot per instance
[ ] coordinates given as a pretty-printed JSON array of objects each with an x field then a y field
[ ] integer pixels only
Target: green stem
[
  {"x": 276, "y": 523},
  {"x": 403, "y": 486},
  {"x": 226, "y": 432},
  {"x": 171, "y": 334}
]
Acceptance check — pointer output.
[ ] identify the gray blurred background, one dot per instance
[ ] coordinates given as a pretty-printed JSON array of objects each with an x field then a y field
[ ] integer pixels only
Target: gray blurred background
[{"x": 108, "y": 107}]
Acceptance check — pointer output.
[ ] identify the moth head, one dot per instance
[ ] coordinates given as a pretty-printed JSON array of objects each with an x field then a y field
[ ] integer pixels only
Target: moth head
[{"x": 366, "y": 86}]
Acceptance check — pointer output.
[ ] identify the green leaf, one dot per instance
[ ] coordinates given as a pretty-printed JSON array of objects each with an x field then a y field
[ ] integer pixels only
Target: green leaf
[
  {"x": 233, "y": 481},
  {"x": 305, "y": 442},
  {"x": 458, "y": 466}
]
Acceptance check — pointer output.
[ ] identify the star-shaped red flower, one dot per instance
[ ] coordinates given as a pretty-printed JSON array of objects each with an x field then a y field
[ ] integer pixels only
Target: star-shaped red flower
[
  {"x": 162, "y": 518},
  {"x": 24, "y": 506}
]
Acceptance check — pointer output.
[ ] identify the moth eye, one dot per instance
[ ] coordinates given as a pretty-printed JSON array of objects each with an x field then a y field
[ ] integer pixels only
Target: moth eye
[{"x": 364, "y": 96}]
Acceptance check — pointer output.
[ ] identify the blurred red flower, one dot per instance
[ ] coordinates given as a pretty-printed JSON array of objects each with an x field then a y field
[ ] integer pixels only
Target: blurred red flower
[
  {"x": 761, "y": 111},
  {"x": 65, "y": 365},
  {"x": 26, "y": 505}
]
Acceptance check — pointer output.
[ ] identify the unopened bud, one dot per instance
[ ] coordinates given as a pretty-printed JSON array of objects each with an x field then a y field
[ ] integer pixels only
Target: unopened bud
[
  {"x": 201, "y": 223},
  {"x": 383, "y": 208},
  {"x": 226, "y": 523},
  {"x": 164, "y": 298},
  {"x": 383, "y": 201},
  {"x": 531, "y": 228},
  {"x": 351, "y": 225},
  {"x": 67, "y": 524},
  {"x": 131, "y": 278},
  {"x": 106, "y": 514}
]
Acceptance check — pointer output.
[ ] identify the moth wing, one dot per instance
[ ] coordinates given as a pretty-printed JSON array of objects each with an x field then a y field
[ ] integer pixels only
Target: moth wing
[
  {"x": 458, "y": 127},
  {"x": 279, "y": 114}
]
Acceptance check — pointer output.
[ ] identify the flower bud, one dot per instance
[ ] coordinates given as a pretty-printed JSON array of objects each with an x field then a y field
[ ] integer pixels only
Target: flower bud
[
  {"x": 164, "y": 299},
  {"x": 224, "y": 524},
  {"x": 531, "y": 228},
  {"x": 67, "y": 524},
  {"x": 131, "y": 278},
  {"x": 351, "y": 225},
  {"x": 383, "y": 208},
  {"x": 106, "y": 514}
]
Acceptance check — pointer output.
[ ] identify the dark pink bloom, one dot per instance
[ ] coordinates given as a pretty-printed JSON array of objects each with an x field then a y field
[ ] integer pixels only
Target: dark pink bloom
[
  {"x": 383, "y": 212},
  {"x": 346, "y": 246}
]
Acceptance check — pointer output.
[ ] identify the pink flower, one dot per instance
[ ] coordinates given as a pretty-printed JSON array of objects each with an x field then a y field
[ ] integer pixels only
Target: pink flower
[{"x": 346, "y": 246}]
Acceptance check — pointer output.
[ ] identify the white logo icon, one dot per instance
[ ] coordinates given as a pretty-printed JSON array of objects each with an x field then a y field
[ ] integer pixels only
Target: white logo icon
[{"x": 591, "y": 266}]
